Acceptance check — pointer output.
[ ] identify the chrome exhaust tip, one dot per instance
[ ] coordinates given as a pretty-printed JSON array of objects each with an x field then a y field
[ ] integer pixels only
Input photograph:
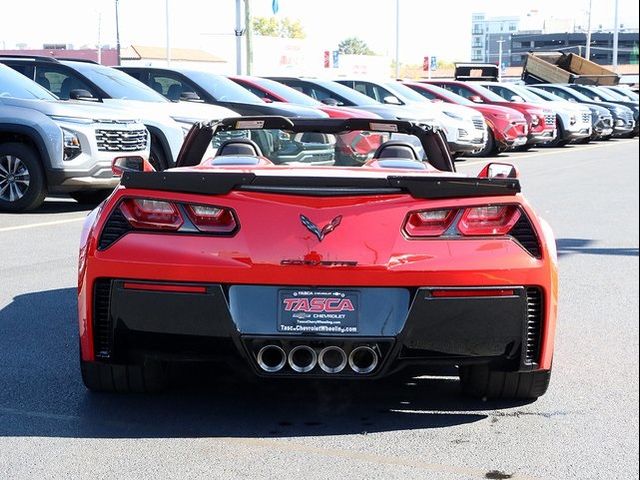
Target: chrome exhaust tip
[
  {"x": 332, "y": 359},
  {"x": 363, "y": 359},
  {"x": 271, "y": 358},
  {"x": 302, "y": 359}
]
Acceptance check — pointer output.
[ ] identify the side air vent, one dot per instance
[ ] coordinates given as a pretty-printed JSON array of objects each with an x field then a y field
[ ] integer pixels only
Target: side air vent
[
  {"x": 523, "y": 232},
  {"x": 115, "y": 228},
  {"x": 534, "y": 326},
  {"x": 102, "y": 328}
]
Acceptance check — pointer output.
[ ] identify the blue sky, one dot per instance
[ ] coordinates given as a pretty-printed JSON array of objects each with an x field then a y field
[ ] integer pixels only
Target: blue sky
[{"x": 427, "y": 27}]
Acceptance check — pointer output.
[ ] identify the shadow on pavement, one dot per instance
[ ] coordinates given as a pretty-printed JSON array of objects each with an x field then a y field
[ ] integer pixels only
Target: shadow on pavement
[
  {"x": 60, "y": 205},
  {"x": 570, "y": 246},
  {"x": 42, "y": 394}
]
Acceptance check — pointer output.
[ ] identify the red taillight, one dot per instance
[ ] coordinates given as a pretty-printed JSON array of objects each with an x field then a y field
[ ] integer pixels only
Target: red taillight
[
  {"x": 488, "y": 220},
  {"x": 151, "y": 214},
  {"x": 429, "y": 223},
  {"x": 212, "y": 219}
]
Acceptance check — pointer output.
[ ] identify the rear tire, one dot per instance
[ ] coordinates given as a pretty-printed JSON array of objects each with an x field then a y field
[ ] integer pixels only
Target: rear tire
[
  {"x": 157, "y": 158},
  {"x": 105, "y": 377},
  {"x": 25, "y": 166},
  {"x": 559, "y": 141},
  {"x": 480, "y": 381}
]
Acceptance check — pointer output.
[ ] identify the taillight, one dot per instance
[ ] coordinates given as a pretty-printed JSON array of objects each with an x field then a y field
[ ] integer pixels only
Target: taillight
[
  {"x": 488, "y": 220},
  {"x": 429, "y": 223},
  {"x": 151, "y": 214},
  {"x": 212, "y": 219}
]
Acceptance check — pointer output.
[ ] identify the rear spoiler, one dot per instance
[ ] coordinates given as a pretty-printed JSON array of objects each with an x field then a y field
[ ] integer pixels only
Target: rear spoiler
[{"x": 221, "y": 183}]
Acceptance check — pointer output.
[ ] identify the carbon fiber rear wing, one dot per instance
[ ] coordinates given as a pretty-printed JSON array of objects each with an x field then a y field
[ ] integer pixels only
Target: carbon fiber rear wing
[{"x": 221, "y": 183}]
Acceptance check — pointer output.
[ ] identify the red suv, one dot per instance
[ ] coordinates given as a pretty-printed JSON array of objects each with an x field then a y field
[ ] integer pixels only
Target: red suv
[
  {"x": 541, "y": 121},
  {"x": 507, "y": 127}
]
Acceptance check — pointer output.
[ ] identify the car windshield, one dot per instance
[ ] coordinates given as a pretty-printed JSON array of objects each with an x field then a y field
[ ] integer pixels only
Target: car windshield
[
  {"x": 291, "y": 95},
  {"x": 357, "y": 98},
  {"x": 350, "y": 148},
  {"x": 626, "y": 93},
  {"x": 117, "y": 84},
  {"x": 16, "y": 85},
  {"x": 405, "y": 92},
  {"x": 493, "y": 97},
  {"x": 443, "y": 92},
  {"x": 611, "y": 95},
  {"x": 546, "y": 95},
  {"x": 527, "y": 95},
  {"x": 576, "y": 94},
  {"x": 221, "y": 88}
]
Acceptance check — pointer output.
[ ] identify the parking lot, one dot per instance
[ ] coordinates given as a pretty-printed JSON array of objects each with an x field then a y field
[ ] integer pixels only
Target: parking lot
[{"x": 215, "y": 426}]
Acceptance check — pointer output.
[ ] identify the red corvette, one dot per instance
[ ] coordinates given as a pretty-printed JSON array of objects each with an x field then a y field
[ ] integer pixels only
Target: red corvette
[
  {"x": 317, "y": 272},
  {"x": 507, "y": 127}
]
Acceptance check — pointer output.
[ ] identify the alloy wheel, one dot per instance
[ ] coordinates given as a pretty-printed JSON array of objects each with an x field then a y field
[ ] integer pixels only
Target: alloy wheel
[{"x": 14, "y": 178}]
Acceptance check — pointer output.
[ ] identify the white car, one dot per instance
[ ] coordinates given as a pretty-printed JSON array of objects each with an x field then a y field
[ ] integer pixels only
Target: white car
[{"x": 464, "y": 128}]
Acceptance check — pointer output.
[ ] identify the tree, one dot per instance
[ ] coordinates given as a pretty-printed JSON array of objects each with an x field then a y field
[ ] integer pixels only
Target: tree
[
  {"x": 354, "y": 46},
  {"x": 273, "y": 27}
]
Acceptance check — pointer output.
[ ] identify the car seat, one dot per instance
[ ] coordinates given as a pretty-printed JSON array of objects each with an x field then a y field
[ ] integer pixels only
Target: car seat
[
  {"x": 239, "y": 146},
  {"x": 395, "y": 149}
]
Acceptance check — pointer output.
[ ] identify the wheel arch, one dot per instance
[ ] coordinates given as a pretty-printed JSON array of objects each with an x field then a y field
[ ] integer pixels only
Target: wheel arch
[{"x": 15, "y": 133}]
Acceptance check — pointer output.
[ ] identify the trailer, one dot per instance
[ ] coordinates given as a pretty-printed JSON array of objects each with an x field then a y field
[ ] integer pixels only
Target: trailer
[{"x": 560, "y": 67}]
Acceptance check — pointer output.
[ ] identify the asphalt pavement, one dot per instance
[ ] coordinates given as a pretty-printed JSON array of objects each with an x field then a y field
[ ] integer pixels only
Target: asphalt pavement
[{"x": 586, "y": 427}]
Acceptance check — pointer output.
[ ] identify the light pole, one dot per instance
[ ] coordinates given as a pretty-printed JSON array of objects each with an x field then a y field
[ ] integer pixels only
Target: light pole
[
  {"x": 166, "y": 9},
  {"x": 616, "y": 26},
  {"x": 500, "y": 42},
  {"x": 397, "y": 38},
  {"x": 239, "y": 33},
  {"x": 588, "y": 50},
  {"x": 117, "y": 35}
]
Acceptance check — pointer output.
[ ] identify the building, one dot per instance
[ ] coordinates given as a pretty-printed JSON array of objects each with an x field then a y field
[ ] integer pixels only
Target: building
[
  {"x": 488, "y": 33},
  {"x": 106, "y": 56},
  {"x": 150, "y": 56},
  {"x": 601, "y": 46}
]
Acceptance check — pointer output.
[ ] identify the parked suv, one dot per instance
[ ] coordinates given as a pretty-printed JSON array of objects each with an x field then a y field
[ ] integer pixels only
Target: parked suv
[
  {"x": 60, "y": 147},
  {"x": 167, "y": 122}
]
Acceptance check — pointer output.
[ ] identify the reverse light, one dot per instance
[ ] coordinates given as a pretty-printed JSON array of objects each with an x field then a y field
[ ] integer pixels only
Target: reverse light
[
  {"x": 429, "y": 223},
  {"x": 151, "y": 214},
  {"x": 488, "y": 220},
  {"x": 212, "y": 219}
]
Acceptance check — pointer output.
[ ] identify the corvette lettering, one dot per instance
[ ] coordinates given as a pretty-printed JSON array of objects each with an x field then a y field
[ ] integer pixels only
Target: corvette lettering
[{"x": 318, "y": 305}]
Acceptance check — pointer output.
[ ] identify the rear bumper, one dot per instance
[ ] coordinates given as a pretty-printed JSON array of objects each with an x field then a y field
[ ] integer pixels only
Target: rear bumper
[{"x": 502, "y": 327}]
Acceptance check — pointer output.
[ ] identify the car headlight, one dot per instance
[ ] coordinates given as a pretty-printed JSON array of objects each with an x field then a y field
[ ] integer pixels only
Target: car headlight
[
  {"x": 535, "y": 121},
  {"x": 452, "y": 115},
  {"x": 71, "y": 144},
  {"x": 573, "y": 120}
]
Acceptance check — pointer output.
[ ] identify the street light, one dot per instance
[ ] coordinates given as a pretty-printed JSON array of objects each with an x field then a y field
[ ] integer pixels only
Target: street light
[
  {"x": 397, "y": 38},
  {"x": 588, "y": 51},
  {"x": 500, "y": 42}
]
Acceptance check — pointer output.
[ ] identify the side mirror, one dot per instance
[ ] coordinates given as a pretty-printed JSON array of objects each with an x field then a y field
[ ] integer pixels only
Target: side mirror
[
  {"x": 267, "y": 100},
  {"x": 476, "y": 99},
  {"x": 190, "y": 97},
  {"x": 80, "y": 94},
  {"x": 517, "y": 99},
  {"x": 571, "y": 99},
  {"x": 437, "y": 100},
  {"x": 499, "y": 170},
  {"x": 391, "y": 100},
  {"x": 332, "y": 102},
  {"x": 130, "y": 164}
]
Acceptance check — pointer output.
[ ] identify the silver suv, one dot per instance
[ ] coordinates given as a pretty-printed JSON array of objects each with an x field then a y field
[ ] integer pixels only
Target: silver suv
[{"x": 49, "y": 146}]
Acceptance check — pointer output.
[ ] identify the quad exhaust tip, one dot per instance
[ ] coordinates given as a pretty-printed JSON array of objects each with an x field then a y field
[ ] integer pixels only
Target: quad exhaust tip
[
  {"x": 302, "y": 359},
  {"x": 332, "y": 359},
  {"x": 271, "y": 358},
  {"x": 363, "y": 359}
]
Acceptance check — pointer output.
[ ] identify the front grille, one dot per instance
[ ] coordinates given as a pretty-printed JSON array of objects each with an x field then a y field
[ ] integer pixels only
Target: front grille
[
  {"x": 531, "y": 352},
  {"x": 550, "y": 119},
  {"x": 523, "y": 232},
  {"x": 102, "y": 325},
  {"x": 586, "y": 118},
  {"x": 121, "y": 140},
  {"x": 478, "y": 123},
  {"x": 115, "y": 228}
]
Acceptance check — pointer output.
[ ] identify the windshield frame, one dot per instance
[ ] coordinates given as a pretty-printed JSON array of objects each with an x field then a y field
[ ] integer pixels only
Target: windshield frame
[
  {"x": 290, "y": 95},
  {"x": 212, "y": 83}
]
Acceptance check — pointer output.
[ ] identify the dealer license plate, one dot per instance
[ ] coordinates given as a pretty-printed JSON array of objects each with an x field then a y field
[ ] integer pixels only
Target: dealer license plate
[{"x": 318, "y": 311}]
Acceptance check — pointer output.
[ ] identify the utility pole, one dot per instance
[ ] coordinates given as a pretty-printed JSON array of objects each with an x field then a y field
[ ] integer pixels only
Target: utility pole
[
  {"x": 397, "y": 38},
  {"x": 168, "y": 47},
  {"x": 117, "y": 34},
  {"x": 616, "y": 27},
  {"x": 99, "y": 40},
  {"x": 500, "y": 42},
  {"x": 248, "y": 31},
  {"x": 239, "y": 32},
  {"x": 588, "y": 51}
]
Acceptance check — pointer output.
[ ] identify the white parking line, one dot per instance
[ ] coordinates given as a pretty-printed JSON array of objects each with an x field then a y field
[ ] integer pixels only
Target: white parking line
[
  {"x": 42, "y": 224},
  {"x": 542, "y": 154}
]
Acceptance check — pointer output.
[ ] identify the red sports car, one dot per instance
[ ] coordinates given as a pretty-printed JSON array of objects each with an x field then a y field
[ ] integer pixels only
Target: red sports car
[
  {"x": 317, "y": 272},
  {"x": 507, "y": 127},
  {"x": 541, "y": 121}
]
